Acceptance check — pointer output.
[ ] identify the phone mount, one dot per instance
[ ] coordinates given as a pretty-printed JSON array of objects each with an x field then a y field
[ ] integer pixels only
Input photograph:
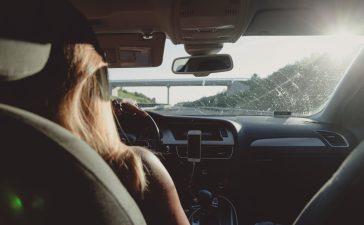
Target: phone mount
[{"x": 194, "y": 138}]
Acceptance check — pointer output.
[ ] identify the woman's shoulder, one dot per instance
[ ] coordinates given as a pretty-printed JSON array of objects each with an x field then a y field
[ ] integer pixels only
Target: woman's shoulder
[
  {"x": 145, "y": 154},
  {"x": 161, "y": 190},
  {"x": 157, "y": 174},
  {"x": 149, "y": 158}
]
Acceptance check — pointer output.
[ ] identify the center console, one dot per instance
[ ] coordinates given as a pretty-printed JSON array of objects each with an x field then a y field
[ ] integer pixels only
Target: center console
[
  {"x": 201, "y": 158},
  {"x": 213, "y": 210}
]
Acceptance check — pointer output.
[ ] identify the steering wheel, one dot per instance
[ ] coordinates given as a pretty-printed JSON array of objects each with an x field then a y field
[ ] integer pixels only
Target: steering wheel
[{"x": 135, "y": 126}]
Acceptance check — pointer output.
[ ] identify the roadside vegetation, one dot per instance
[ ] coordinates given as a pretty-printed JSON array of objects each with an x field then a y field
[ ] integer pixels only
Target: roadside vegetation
[
  {"x": 301, "y": 87},
  {"x": 136, "y": 96}
]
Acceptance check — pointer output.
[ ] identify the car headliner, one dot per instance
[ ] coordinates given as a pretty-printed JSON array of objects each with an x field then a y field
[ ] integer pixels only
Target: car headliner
[{"x": 262, "y": 17}]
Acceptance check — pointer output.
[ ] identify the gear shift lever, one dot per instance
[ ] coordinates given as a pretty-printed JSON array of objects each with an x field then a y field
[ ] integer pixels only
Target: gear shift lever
[
  {"x": 205, "y": 199},
  {"x": 209, "y": 205},
  {"x": 213, "y": 210}
]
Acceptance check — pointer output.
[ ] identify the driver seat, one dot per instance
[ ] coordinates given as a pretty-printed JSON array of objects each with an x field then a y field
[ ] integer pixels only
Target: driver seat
[{"x": 47, "y": 175}]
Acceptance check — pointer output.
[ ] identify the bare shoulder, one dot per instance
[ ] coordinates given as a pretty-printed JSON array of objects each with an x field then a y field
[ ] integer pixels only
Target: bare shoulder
[
  {"x": 146, "y": 155},
  {"x": 156, "y": 172},
  {"x": 149, "y": 158},
  {"x": 162, "y": 190}
]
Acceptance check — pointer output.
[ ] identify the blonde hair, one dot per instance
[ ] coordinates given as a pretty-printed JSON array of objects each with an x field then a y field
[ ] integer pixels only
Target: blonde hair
[{"x": 86, "y": 114}]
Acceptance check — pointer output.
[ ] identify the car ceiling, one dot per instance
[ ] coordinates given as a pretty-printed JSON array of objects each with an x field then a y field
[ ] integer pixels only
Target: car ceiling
[
  {"x": 261, "y": 17},
  {"x": 203, "y": 26}
]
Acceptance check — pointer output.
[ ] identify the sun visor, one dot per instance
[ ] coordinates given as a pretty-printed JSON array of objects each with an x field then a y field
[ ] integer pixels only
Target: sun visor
[
  {"x": 17, "y": 58},
  {"x": 133, "y": 50}
]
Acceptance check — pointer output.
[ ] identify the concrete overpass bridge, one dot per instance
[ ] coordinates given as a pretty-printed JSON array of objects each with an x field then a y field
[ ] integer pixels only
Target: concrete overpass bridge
[{"x": 232, "y": 84}]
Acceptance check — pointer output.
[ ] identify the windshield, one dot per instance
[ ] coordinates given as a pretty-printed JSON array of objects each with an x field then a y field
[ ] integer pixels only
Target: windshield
[{"x": 295, "y": 74}]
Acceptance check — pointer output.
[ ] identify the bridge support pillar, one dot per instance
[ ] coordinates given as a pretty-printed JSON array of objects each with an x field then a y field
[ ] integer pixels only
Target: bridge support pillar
[
  {"x": 114, "y": 91},
  {"x": 168, "y": 89}
]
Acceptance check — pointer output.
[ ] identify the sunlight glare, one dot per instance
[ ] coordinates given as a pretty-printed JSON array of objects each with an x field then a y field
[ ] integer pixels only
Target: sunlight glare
[{"x": 341, "y": 44}]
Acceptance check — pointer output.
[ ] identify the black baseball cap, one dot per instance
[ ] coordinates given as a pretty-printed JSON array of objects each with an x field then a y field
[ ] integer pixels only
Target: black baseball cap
[{"x": 30, "y": 29}]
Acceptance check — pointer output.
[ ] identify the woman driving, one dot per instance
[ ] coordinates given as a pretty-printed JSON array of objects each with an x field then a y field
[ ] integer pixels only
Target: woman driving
[
  {"x": 72, "y": 91},
  {"x": 84, "y": 111}
]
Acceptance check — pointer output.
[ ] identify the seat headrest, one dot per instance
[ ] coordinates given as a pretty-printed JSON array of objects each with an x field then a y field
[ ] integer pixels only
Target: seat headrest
[
  {"x": 31, "y": 28},
  {"x": 49, "y": 176}
]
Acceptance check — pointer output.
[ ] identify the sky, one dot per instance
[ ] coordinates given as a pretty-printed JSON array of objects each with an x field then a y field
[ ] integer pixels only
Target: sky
[{"x": 251, "y": 55}]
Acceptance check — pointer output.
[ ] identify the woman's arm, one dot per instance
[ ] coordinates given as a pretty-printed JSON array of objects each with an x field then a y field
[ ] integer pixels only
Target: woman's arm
[{"x": 161, "y": 204}]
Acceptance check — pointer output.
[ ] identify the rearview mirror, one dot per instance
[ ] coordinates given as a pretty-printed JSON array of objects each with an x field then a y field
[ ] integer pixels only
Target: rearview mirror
[{"x": 202, "y": 65}]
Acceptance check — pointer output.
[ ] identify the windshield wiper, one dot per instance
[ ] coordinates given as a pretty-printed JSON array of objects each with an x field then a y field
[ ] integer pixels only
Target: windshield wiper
[{"x": 282, "y": 113}]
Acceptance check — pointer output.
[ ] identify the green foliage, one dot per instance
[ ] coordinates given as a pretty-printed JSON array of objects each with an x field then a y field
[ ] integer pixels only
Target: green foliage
[
  {"x": 138, "y": 97},
  {"x": 302, "y": 87}
]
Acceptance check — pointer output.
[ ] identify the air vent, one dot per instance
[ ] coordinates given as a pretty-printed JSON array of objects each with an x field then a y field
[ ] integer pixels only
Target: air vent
[
  {"x": 334, "y": 139},
  {"x": 209, "y": 132},
  {"x": 208, "y": 152},
  {"x": 231, "y": 12},
  {"x": 187, "y": 12},
  {"x": 224, "y": 132}
]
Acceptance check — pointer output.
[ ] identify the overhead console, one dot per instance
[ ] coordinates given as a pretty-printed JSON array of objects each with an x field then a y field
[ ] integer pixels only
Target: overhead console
[{"x": 203, "y": 26}]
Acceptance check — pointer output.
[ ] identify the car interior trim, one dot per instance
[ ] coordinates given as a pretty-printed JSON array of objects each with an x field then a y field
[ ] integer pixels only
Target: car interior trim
[{"x": 288, "y": 142}]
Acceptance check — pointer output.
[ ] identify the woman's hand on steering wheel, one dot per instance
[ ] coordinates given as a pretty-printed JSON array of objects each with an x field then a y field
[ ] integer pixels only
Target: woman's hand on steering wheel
[
  {"x": 127, "y": 111},
  {"x": 127, "y": 106}
]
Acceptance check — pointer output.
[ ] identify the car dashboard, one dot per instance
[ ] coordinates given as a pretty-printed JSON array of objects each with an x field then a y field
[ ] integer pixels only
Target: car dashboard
[{"x": 269, "y": 167}]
